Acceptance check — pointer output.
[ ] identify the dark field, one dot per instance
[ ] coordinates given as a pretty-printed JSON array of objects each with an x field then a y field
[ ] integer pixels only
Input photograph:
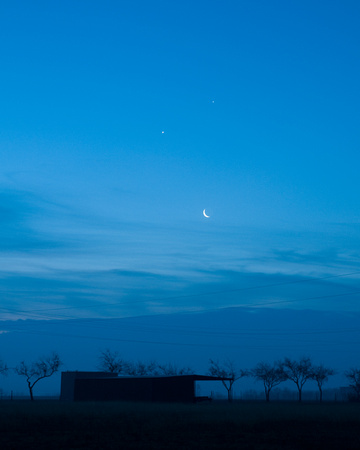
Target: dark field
[{"x": 56, "y": 425}]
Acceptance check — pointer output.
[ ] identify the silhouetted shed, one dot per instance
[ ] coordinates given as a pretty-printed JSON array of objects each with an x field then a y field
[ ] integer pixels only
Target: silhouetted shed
[
  {"x": 68, "y": 381},
  {"x": 102, "y": 386}
]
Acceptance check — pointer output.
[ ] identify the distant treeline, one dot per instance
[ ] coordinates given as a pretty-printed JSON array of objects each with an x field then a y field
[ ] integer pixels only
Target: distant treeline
[{"x": 270, "y": 375}]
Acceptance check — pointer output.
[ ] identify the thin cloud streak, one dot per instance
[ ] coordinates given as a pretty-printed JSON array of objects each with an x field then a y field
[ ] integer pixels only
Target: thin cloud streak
[
  {"x": 122, "y": 294},
  {"x": 104, "y": 268}
]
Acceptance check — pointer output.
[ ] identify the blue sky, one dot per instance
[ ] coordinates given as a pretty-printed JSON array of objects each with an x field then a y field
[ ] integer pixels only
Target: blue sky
[{"x": 121, "y": 121}]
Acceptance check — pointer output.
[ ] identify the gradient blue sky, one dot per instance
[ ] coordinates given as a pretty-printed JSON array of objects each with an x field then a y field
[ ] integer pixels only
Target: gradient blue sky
[{"x": 120, "y": 121}]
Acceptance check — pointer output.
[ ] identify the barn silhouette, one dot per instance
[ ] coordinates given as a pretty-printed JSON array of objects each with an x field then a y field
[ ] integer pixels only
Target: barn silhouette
[{"x": 105, "y": 386}]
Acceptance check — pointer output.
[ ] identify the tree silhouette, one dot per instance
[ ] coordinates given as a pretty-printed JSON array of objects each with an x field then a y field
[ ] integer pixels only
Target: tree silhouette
[
  {"x": 353, "y": 375},
  {"x": 43, "y": 368},
  {"x": 297, "y": 371},
  {"x": 228, "y": 372},
  {"x": 110, "y": 361},
  {"x": 321, "y": 374},
  {"x": 270, "y": 375},
  {"x": 171, "y": 369},
  {"x": 3, "y": 368},
  {"x": 141, "y": 369}
]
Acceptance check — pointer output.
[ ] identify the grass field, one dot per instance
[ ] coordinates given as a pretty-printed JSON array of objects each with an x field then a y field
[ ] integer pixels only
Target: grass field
[{"x": 57, "y": 425}]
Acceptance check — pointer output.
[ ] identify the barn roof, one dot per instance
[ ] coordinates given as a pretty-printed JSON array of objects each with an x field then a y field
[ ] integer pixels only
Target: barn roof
[{"x": 193, "y": 377}]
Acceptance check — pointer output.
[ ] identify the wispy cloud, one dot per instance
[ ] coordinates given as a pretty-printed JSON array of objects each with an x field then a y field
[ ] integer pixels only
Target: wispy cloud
[
  {"x": 57, "y": 263},
  {"x": 121, "y": 293},
  {"x": 19, "y": 213}
]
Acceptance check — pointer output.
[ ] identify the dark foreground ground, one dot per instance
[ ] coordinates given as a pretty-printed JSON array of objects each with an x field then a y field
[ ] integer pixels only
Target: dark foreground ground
[{"x": 56, "y": 425}]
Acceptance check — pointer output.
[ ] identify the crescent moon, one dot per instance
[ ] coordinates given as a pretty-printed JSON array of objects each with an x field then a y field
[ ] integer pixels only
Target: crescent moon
[{"x": 205, "y": 215}]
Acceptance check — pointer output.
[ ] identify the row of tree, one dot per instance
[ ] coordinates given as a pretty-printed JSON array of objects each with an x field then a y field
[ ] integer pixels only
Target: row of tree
[
  {"x": 111, "y": 361},
  {"x": 297, "y": 371},
  {"x": 271, "y": 375}
]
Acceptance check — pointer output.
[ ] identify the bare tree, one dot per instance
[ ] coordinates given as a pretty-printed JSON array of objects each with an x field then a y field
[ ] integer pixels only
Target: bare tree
[
  {"x": 270, "y": 375},
  {"x": 141, "y": 369},
  {"x": 353, "y": 375},
  {"x": 297, "y": 371},
  {"x": 321, "y": 374},
  {"x": 110, "y": 361},
  {"x": 36, "y": 371},
  {"x": 228, "y": 372},
  {"x": 172, "y": 370},
  {"x": 3, "y": 368}
]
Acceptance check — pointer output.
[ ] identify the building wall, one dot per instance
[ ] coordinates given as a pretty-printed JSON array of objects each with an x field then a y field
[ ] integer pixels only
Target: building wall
[
  {"x": 173, "y": 389},
  {"x": 125, "y": 389},
  {"x": 162, "y": 389},
  {"x": 105, "y": 386},
  {"x": 68, "y": 381}
]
